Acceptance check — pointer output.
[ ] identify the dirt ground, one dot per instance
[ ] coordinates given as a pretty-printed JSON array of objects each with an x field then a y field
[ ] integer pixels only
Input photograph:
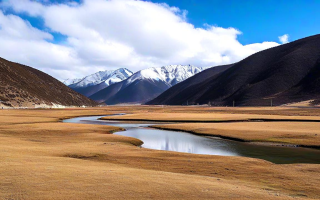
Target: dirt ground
[{"x": 43, "y": 158}]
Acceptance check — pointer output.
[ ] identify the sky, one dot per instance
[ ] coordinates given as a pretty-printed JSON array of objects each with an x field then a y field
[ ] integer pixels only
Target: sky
[{"x": 72, "y": 39}]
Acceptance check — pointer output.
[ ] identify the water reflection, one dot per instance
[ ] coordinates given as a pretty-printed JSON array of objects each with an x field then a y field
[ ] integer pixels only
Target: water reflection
[
  {"x": 188, "y": 143},
  {"x": 178, "y": 141}
]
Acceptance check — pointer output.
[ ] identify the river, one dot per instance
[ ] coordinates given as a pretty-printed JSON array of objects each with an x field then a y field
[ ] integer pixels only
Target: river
[{"x": 189, "y": 143}]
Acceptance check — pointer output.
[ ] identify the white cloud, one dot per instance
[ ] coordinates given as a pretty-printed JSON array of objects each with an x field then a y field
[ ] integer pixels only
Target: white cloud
[
  {"x": 284, "y": 38},
  {"x": 31, "y": 7},
  {"x": 14, "y": 27},
  {"x": 115, "y": 33}
]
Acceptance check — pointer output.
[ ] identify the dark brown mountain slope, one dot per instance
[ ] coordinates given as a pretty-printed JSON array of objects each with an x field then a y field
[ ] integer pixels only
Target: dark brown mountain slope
[
  {"x": 23, "y": 86},
  {"x": 287, "y": 73},
  {"x": 89, "y": 90},
  {"x": 178, "y": 91}
]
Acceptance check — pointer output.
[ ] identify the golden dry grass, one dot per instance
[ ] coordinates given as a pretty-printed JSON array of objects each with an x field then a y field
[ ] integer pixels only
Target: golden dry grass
[{"x": 42, "y": 158}]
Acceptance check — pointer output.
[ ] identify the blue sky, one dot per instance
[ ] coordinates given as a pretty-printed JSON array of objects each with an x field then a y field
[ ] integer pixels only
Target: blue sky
[
  {"x": 71, "y": 39},
  {"x": 257, "y": 20}
]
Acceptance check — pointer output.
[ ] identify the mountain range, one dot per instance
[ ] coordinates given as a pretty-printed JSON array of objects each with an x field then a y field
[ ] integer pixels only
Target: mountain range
[
  {"x": 145, "y": 85},
  {"x": 23, "y": 86},
  {"x": 285, "y": 74}
]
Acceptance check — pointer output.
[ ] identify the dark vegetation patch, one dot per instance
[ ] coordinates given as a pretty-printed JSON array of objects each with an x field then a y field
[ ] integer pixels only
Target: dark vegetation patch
[{"x": 85, "y": 157}]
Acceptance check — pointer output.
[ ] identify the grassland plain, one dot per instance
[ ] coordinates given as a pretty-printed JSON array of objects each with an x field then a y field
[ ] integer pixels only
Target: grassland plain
[{"x": 42, "y": 158}]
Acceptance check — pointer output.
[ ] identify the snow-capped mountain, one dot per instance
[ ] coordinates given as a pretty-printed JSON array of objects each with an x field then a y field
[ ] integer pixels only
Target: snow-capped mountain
[
  {"x": 108, "y": 76},
  {"x": 98, "y": 81},
  {"x": 146, "y": 84},
  {"x": 171, "y": 74}
]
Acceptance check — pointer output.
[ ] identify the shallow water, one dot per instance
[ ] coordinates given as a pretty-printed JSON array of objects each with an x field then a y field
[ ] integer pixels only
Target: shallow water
[{"x": 188, "y": 143}]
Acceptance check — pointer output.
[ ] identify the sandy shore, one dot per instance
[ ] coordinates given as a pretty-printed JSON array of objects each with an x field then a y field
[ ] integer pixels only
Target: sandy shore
[{"x": 42, "y": 158}]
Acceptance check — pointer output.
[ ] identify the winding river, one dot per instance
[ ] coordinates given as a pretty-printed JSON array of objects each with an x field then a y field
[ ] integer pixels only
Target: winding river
[{"x": 189, "y": 143}]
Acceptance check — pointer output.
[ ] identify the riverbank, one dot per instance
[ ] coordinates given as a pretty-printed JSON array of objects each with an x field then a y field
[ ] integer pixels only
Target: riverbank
[
  {"x": 214, "y": 117},
  {"x": 42, "y": 158},
  {"x": 273, "y": 129}
]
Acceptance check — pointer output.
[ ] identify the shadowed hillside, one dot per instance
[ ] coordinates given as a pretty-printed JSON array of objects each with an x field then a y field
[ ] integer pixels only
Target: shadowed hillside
[
  {"x": 139, "y": 91},
  {"x": 23, "y": 86},
  {"x": 90, "y": 90},
  {"x": 287, "y": 73}
]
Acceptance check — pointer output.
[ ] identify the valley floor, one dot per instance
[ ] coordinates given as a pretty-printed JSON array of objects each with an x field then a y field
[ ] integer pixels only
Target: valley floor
[{"x": 42, "y": 158}]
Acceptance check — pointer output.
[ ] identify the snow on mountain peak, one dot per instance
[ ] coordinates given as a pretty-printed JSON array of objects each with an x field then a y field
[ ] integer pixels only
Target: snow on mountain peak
[
  {"x": 71, "y": 81},
  {"x": 171, "y": 74},
  {"x": 174, "y": 74},
  {"x": 108, "y": 76}
]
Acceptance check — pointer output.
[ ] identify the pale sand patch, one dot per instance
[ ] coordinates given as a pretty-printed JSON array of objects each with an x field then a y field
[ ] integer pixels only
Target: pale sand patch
[{"x": 302, "y": 103}]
